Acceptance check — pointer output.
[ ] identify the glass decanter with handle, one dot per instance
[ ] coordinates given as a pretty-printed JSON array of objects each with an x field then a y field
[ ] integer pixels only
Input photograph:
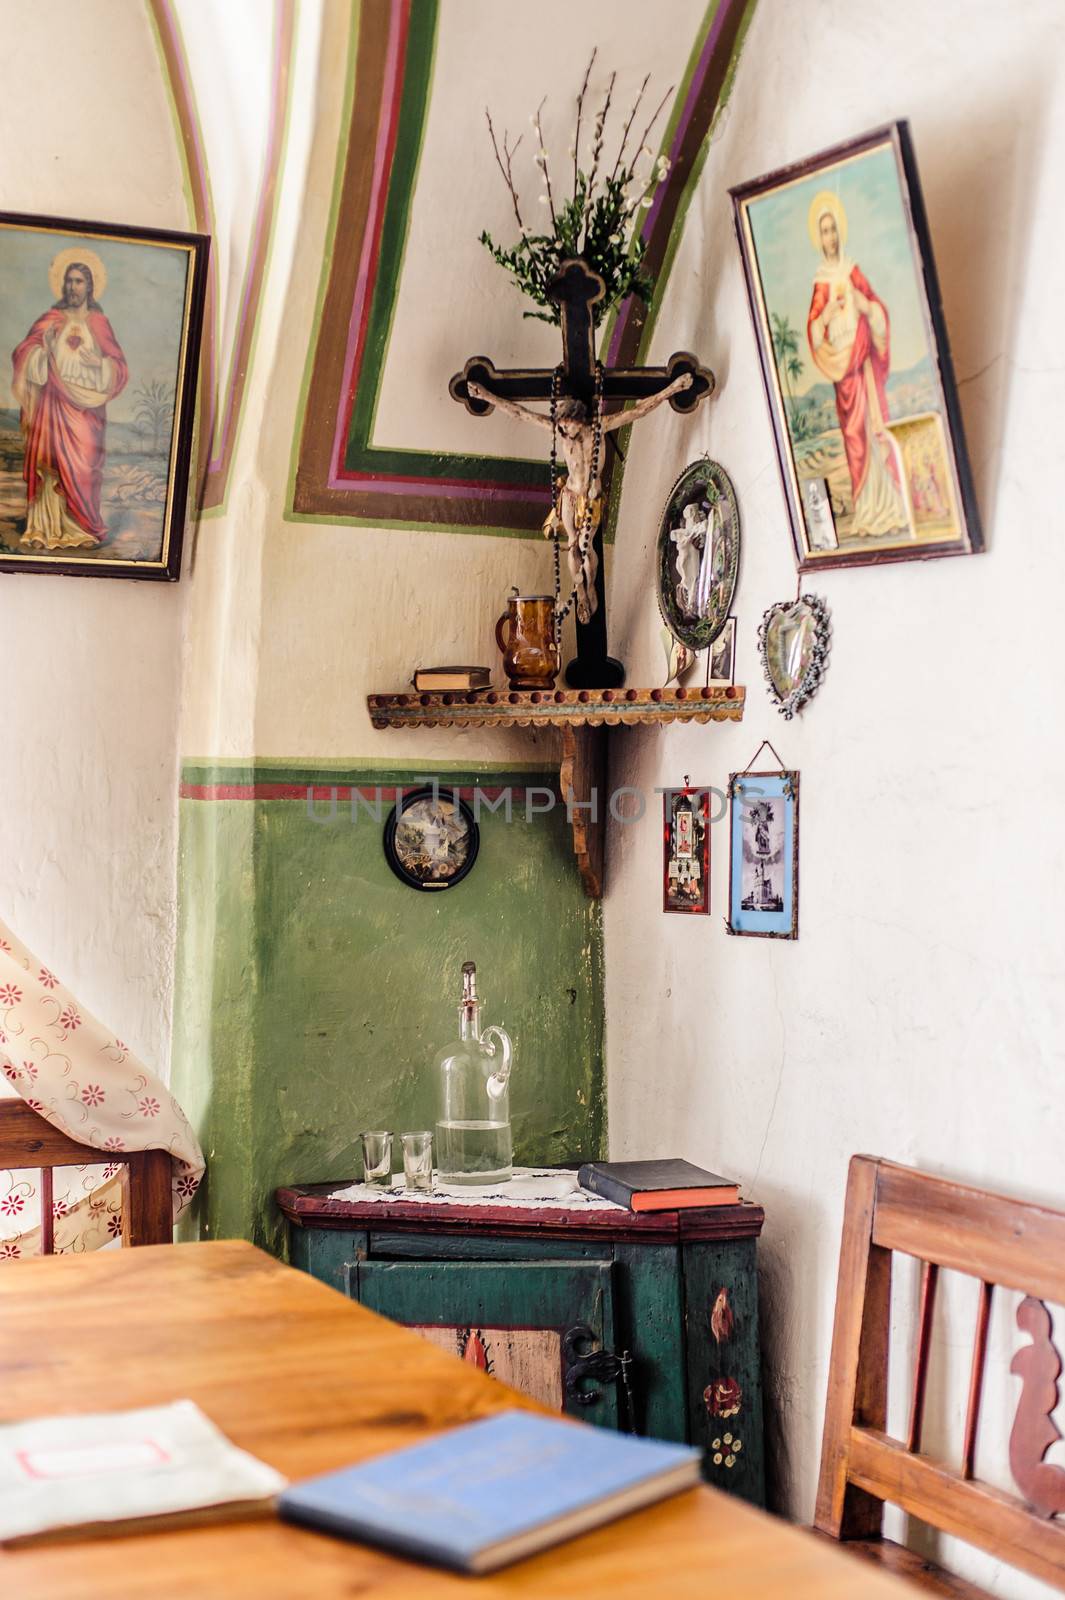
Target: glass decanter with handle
[{"x": 473, "y": 1140}]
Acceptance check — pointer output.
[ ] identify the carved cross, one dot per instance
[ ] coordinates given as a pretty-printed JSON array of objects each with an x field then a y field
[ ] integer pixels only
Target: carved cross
[{"x": 576, "y": 290}]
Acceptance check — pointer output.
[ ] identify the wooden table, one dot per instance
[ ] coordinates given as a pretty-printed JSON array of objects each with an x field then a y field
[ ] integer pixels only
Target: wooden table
[{"x": 298, "y": 1375}]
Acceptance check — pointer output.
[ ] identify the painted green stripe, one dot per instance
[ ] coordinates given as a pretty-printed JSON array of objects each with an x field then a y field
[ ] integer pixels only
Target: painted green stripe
[
  {"x": 417, "y": 78},
  {"x": 665, "y": 143},
  {"x": 692, "y": 184},
  {"x": 206, "y": 772},
  {"x": 338, "y": 519},
  {"x": 360, "y": 454},
  {"x": 327, "y": 256},
  {"x": 677, "y": 231}
]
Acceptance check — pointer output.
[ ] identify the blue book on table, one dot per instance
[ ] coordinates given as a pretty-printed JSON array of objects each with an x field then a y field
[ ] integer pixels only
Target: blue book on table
[{"x": 490, "y": 1492}]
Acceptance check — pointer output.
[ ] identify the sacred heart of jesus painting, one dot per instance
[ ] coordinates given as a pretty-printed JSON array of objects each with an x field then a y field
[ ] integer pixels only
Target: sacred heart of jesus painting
[
  {"x": 99, "y": 344},
  {"x": 855, "y": 359}
]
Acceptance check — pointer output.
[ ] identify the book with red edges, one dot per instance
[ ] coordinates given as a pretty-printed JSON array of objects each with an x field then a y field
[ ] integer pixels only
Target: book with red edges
[{"x": 670, "y": 1185}]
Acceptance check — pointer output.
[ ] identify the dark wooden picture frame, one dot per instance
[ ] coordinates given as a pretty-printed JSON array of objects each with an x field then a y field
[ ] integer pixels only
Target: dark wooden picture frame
[
  {"x": 438, "y": 794},
  {"x": 102, "y": 319},
  {"x": 770, "y": 921},
  {"x": 901, "y": 426},
  {"x": 686, "y": 839}
]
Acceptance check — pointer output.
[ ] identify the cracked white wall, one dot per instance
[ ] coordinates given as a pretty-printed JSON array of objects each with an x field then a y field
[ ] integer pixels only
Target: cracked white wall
[
  {"x": 92, "y": 666},
  {"x": 921, "y": 1013}
]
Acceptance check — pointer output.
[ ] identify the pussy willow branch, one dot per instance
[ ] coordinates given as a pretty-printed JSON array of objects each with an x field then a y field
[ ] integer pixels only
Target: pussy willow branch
[
  {"x": 508, "y": 176},
  {"x": 542, "y": 159},
  {"x": 580, "y": 112},
  {"x": 597, "y": 149},
  {"x": 628, "y": 125},
  {"x": 647, "y": 131}
]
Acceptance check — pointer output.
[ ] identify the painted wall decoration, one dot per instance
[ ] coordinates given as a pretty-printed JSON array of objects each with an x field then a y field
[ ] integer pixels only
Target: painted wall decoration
[
  {"x": 96, "y": 405},
  {"x": 197, "y": 50},
  {"x": 307, "y": 999},
  {"x": 854, "y": 352},
  {"x": 764, "y": 854},
  {"x": 342, "y": 472}
]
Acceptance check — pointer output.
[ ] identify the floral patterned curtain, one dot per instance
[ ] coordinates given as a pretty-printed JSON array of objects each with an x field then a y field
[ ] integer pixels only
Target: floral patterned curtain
[{"x": 78, "y": 1075}]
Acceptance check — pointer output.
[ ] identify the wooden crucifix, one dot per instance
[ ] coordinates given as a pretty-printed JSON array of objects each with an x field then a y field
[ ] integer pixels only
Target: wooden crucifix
[{"x": 682, "y": 381}]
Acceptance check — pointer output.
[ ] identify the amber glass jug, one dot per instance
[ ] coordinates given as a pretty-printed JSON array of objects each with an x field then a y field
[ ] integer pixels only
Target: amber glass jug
[{"x": 525, "y": 633}]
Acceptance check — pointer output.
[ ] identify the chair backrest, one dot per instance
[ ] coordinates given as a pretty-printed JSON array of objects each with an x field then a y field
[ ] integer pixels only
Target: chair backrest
[
  {"x": 28, "y": 1141},
  {"x": 1003, "y": 1242}
]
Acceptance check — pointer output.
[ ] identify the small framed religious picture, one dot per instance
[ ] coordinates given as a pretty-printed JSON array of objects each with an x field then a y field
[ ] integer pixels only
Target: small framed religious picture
[
  {"x": 686, "y": 840},
  {"x": 855, "y": 359},
  {"x": 97, "y": 400},
  {"x": 431, "y": 838},
  {"x": 763, "y": 891},
  {"x": 723, "y": 655}
]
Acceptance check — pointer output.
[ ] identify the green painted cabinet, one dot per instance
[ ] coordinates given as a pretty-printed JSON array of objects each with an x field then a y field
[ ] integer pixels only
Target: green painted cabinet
[{"x": 647, "y": 1323}]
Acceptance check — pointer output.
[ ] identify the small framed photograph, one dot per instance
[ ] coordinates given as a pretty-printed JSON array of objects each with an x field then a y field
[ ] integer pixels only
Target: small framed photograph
[
  {"x": 97, "y": 399},
  {"x": 431, "y": 839},
  {"x": 763, "y": 892},
  {"x": 723, "y": 655},
  {"x": 686, "y": 838},
  {"x": 855, "y": 359}
]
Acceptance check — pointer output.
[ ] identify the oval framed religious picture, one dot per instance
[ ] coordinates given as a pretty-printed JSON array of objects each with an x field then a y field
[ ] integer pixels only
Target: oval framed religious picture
[
  {"x": 697, "y": 559},
  {"x": 431, "y": 838}
]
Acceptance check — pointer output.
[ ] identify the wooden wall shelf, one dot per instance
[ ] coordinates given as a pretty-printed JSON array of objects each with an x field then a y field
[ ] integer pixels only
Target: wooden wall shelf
[
  {"x": 556, "y": 708},
  {"x": 582, "y": 715}
]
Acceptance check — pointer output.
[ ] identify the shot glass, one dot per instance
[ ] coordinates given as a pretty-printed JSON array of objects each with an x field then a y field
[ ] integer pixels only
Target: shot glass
[
  {"x": 418, "y": 1161},
  {"x": 377, "y": 1158}
]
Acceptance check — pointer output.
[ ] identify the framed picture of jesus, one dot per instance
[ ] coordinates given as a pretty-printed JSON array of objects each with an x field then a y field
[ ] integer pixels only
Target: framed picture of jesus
[
  {"x": 855, "y": 358},
  {"x": 99, "y": 346}
]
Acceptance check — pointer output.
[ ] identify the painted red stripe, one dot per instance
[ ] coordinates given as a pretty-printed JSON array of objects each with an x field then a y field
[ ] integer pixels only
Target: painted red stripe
[{"x": 371, "y": 277}]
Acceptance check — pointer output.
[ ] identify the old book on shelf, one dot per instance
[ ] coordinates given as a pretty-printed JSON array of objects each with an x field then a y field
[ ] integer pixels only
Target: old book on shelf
[
  {"x": 491, "y": 1492},
  {"x": 432, "y": 680},
  {"x": 657, "y": 1185},
  {"x": 123, "y": 1472}
]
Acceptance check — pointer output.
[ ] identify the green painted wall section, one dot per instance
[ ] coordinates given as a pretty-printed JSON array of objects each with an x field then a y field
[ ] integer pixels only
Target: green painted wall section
[{"x": 314, "y": 989}]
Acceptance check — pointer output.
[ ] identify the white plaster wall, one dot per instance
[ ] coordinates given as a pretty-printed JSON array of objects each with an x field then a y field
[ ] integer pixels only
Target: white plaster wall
[
  {"x": 91, "y": 666},
  {"x": 295, "y": 621},
  {"x": 920, "y": 1015}
]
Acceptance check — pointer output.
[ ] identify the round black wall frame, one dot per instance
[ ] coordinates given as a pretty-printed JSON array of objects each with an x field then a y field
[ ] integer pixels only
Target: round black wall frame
[{"x": 431, "y": 839}]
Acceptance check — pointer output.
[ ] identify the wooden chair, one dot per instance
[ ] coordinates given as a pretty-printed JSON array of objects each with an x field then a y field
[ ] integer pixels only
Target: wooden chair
[
  {"x": 1002, "y": 1242},
  {"x": 28, "y": 1140}
]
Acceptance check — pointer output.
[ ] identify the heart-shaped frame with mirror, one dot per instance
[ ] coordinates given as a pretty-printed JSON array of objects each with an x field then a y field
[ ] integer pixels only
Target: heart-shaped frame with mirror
[{"x": 794, "y": 641}]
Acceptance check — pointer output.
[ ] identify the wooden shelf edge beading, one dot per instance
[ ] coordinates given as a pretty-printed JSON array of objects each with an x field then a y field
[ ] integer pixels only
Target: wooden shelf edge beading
[
  {"x": 557, "y": 708},
  {"x": 314, "y": 1205}
]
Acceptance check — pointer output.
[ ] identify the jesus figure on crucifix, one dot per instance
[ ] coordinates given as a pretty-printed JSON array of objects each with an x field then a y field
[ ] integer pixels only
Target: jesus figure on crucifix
[{"x": 577, "y": 511}]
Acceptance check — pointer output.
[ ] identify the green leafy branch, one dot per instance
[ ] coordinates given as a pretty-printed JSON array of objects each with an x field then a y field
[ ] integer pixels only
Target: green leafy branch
[{"x": 599, "y": 223}]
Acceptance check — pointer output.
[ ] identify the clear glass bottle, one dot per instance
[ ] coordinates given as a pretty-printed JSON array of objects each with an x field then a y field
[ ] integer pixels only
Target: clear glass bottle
[{"x": 473, "y": 1142}]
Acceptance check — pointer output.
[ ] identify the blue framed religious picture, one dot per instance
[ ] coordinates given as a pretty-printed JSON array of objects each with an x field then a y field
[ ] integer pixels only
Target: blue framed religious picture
[
  {"x": 763, "y": 891},
  {"x": 855, "y": 359},
  {"x": 431, "y": 838},
  {"x": 686, "y": 839},
  {"x": 97, "y": 398}
]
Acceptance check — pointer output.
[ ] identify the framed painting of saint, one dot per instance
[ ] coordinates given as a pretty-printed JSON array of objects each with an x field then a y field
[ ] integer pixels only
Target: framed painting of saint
[
  {"x": 855, "y": 359},
  {"x": 99, "y": 346}
]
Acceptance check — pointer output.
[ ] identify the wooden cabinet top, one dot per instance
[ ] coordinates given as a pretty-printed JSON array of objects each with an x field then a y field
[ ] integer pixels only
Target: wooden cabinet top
[{"x": 314, "y": 1206}]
